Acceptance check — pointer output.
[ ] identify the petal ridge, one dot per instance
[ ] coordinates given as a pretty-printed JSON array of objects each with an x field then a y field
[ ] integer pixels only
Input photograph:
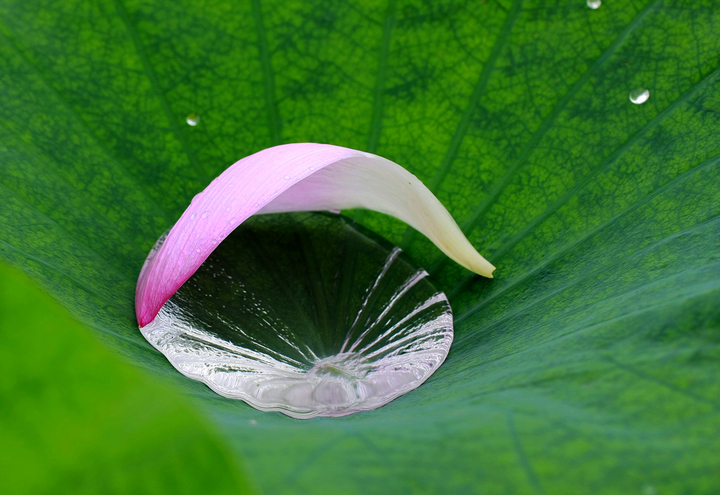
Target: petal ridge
[{"x": 294, "y": 177}]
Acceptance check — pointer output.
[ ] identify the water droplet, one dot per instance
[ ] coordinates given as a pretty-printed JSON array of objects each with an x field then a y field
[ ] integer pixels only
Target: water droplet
[
  {"x": 312, "y": 168},
  {"x": 192, "y": 217},
  {"x": 197, "y": 250},
  {"x": 287, "y": 177},
  {"x": 227, "y": 208},
  {"x": 258, "y": 340},
  {"x": 253, "y": 422},
  {"x": 594, "y": 4},
  {"x": 205, "y": 214},
  {"x": 639, "y": 95},
  {"x": 192, "y": 119}
]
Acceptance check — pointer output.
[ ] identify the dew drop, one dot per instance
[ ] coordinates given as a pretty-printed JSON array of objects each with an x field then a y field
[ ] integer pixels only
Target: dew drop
[
  {"x": 250, "y": 324},
  {"x": 639, "y": 95},
  {"x": 192, "y": 217},
  {"x": 205, "y": 214},
  {"x": 594, "y": 4},
  {"x": 253, "y": 422},
  {"x": 312, "y": 168},
  {"x": 287, "y": 177},
  {"x": 192, "y": 119}
]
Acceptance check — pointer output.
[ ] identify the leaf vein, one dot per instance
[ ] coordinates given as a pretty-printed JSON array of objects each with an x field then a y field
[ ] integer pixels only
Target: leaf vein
[
  {"x": 271, "y": 106},
  {"x": 464, "y": 123},
  {"x": 379, "y": 90},
  {"x": 522, "y": 456},
  {"x": 81, "y": 121},
  {"x": 603, "y": 166},
  {"x": 609, "y": 222},
  {"x": 547, "y": 123},
  {"x": 152, "y": 77}
]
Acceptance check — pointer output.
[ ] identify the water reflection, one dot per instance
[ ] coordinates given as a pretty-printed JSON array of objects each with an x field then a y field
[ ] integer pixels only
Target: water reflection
[{"x": 307, "y": 315}]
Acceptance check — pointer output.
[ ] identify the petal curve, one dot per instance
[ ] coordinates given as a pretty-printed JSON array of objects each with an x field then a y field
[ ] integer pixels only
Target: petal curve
[{"x": 295, "y": 177}]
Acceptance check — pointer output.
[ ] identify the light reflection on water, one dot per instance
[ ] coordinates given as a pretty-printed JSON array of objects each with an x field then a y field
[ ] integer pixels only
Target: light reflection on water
[{"x": 306, "y": 315}]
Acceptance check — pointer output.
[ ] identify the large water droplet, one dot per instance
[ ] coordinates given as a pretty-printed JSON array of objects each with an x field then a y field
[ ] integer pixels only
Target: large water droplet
[
  {"x": 306, "y": 315},
  {"x": 639, "y": 95},
  {"x": 193, "y": 119},
  {"x": 594, "y": 4}
]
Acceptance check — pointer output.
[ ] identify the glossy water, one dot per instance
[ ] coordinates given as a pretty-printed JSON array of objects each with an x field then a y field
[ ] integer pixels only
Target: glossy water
[
  {"x": 306, "y": 315},
  {"x": 639, "y": 95}
]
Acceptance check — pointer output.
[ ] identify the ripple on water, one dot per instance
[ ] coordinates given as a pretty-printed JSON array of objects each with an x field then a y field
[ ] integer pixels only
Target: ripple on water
[{"x": 307, "y": 315}]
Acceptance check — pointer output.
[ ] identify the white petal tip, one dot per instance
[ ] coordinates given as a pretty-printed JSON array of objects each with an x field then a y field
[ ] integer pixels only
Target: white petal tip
[{"x": 483, "y": 267}]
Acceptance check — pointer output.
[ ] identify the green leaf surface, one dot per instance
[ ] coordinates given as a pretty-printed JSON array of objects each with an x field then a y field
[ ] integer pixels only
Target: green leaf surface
[
  {"x": 588, "y": 365},
  {"x": 76, "y": 419}
]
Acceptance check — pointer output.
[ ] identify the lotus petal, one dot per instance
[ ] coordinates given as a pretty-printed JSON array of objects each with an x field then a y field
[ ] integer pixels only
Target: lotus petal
[{"x": 295, "y": 177}]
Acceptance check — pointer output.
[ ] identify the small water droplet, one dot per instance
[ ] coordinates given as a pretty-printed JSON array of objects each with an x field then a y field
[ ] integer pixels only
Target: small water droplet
[
  {"x": 639, "y": 95},
  {"x": 192, "y": 119},
  {"x": 312, "y": 168},
  {"x": 594, "y": 4},
  {"x": 198, "y": 250},
  {"x": 287, "y": 177},
  {"x": 253, "y": 422},
  {"x": 228, "y": 208},
  {"x": 192, "y": 217},
  {"x": 205, "y": 214}
]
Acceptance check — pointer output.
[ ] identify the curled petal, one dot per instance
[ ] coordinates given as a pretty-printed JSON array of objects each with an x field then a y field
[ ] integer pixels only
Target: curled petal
[{"x": 295, "y": 177}]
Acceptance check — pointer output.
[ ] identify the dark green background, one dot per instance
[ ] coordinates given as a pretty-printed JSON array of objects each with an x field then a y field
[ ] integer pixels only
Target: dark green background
[{"x": 588, "y": 365}]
